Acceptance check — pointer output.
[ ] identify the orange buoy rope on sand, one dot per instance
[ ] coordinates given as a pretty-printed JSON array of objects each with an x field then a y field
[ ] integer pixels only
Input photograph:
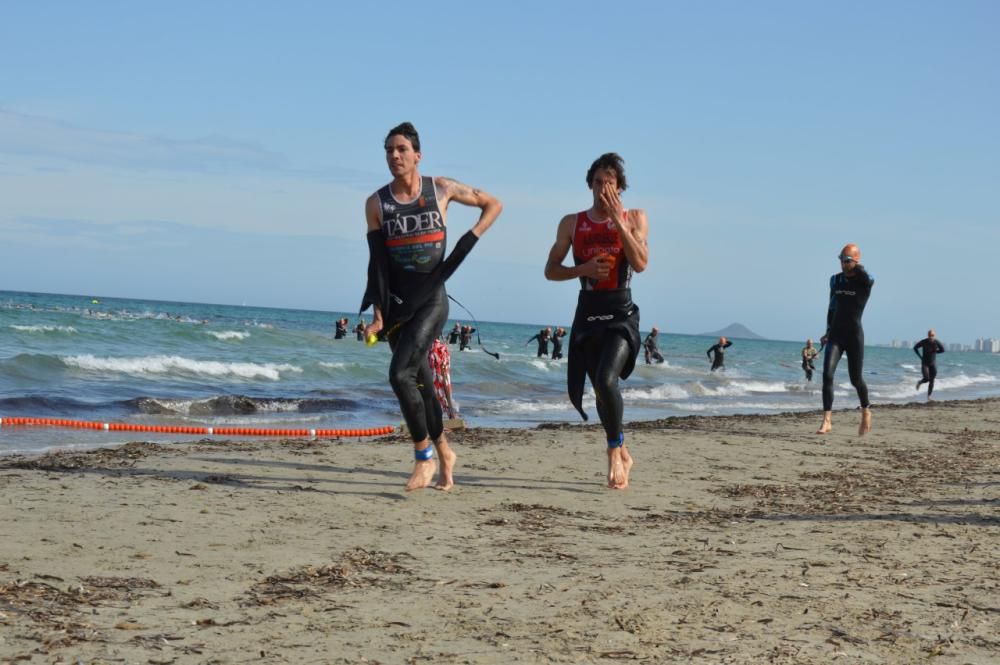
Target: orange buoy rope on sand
[{"x": 198, "y": 430}]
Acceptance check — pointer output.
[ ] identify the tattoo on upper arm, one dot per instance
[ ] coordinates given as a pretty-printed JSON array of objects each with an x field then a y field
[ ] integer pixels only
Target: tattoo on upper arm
[{"x": 458, "y": 190}]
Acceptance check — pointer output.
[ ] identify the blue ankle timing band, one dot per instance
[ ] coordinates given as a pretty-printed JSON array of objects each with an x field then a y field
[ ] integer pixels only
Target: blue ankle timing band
[
  {"x": 425, "y": 454},
  {"x": 617, "y": 443}
]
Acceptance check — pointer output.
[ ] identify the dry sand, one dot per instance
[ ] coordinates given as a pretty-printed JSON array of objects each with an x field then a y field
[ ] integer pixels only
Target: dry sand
[{"x": 742, "y": 540}]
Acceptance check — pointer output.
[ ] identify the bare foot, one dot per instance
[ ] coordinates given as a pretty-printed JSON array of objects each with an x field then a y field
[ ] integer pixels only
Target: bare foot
[
  {"x": 448, "y": 457},
  {"x": 617, "y": 478},
  {"x": 866, "y": 421},
  {"x": 627, "y": 462},
  {"x": 423, "y": 474},
  {"x": 827, "y": 425}
]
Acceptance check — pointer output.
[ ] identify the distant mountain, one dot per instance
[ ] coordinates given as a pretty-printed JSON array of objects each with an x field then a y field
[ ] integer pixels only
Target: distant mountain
[{"x": 735, "y": 331}]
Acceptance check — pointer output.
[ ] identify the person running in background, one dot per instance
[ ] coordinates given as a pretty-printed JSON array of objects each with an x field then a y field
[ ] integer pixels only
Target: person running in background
[
  {"x": 557, "y": 343},
  {"x": 849, "y": 293},
  {"x": 341, "y": 329},
  {"x": 455, "y": 333},
  {"x": 440, "y": 361},
  {"x": 809, "y": 354},
  {"x": 652, "y": 347},
  {"x": 719, "y": 361},
  {"x": 466, "y": 338},
  {"x": 543, "y": 341},
  {"x": 407, "y": 235},
  {"x": 930, "y": 346},
  {"x": 609, "y": 243}
]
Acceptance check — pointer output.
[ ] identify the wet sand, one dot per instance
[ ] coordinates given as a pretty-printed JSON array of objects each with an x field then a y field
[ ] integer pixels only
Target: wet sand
[{"x": 743, "y": 539}]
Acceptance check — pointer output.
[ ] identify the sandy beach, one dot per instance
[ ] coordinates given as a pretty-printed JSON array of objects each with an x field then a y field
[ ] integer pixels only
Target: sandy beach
[{"x": 743, "y": 539}]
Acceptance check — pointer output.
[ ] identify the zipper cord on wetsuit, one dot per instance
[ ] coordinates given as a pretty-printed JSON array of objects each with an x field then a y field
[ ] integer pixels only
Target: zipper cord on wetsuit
[{"x": 478, "y": 340}]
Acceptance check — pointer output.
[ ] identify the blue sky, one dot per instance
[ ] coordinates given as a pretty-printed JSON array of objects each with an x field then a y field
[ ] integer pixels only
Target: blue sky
[{"x": 222, "y": 151}]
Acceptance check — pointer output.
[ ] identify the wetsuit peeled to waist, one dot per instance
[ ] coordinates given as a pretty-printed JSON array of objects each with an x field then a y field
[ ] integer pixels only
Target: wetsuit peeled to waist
[{"x": 600, "y": 313}]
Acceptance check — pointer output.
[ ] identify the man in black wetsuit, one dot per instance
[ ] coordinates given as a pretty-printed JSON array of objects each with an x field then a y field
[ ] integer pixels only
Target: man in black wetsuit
[
  {"x": 341, "y": 330},
  {"x": 557, "y": 343},
  {"x": 359, "y": 330},
  {"x": 849, "y": 292},
  {"x": 718, "y": 362},
  {"x": 652, "y": 348},
  {"x": 809, "y": 354},
  {"x": 407, "y": 226},
  {"x": 466, "y": 338},
  {"x": 543, "y": 341},
  {"x": 930, "y": 346},
  {"x": 455, "y": 333},
  {"x": 609, "y": 243}
]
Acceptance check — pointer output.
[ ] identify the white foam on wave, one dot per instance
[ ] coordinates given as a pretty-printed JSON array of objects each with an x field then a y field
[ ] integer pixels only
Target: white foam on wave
[
  {"x": 330, "y": 365},
  {"x": 741, "y": 388},
  {"x": 664, "y": 392},
  {"x": 908, "y": 366},
  {"x": 525, "y": 406},
  {"x": 754, "y": 406},
  {"x": 540, "y": 364},
  {"x": 908, "y": 390},
  {"x": 44, "y": 329},
  {"x": 179, "y": 364},
  {"x": 226, "y": 335},
  {"x": 184, "y": 406},
  {"x": 963, "y": 380}
]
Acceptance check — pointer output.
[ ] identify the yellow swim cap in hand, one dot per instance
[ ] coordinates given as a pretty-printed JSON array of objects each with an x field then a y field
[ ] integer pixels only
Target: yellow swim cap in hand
[{"x": 372, "y": 339}]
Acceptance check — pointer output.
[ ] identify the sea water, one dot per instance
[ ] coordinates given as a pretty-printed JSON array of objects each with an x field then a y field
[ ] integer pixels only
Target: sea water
[{"x": 177, "y": 363}]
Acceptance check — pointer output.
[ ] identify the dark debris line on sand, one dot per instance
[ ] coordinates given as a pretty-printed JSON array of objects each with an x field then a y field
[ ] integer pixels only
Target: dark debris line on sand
[{"x": 58, "y": 615}]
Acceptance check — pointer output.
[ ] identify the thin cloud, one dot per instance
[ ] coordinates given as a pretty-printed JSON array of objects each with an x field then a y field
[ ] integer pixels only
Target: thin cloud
[{"x": 37, "y": 136}]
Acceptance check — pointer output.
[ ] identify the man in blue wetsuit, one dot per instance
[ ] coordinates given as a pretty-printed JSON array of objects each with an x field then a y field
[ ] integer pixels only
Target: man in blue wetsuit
[
  {"x": 930, "y": 346},
  {"x": 849, "y": 292},
  {"x": 407, "y": 235}
]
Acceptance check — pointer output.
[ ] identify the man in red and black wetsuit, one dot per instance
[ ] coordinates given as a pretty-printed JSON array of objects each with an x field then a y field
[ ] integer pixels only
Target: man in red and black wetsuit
[
  {"x": 407, "y": 225},
  {"x": 609, "y": 244}
]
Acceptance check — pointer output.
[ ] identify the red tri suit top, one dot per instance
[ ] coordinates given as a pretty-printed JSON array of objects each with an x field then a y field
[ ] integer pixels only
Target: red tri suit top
[{"x": 591, "y": 239}]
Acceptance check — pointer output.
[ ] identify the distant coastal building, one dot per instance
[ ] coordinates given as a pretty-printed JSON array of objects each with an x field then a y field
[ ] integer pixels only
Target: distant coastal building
[
  {"x": 983, "y": 344},
  {"x": 987, "y": 345}
]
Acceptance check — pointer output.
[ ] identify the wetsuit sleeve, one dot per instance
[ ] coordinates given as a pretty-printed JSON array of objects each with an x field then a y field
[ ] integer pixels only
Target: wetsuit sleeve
[
  {"x": 458, "y": 254},
  {"x": 709, "y": 352},
  {"x": 917, "y": 347},
  {"x": 867, "y": 281},
  {"x": 940, "y": 346},
  {"x": 830, "y": 308},
  {"x": 727, "y": 344},
  {"x": 377, "y": 290}
]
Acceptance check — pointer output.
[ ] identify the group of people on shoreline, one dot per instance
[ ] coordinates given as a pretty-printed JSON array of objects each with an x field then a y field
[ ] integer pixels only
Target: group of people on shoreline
[{"x": 408, "y": 268}]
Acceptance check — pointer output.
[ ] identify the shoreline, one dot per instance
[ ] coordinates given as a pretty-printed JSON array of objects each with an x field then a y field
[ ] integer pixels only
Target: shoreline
[
  {"x": 592, "y": 425},
  {"x": 743, "y": 538}
]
